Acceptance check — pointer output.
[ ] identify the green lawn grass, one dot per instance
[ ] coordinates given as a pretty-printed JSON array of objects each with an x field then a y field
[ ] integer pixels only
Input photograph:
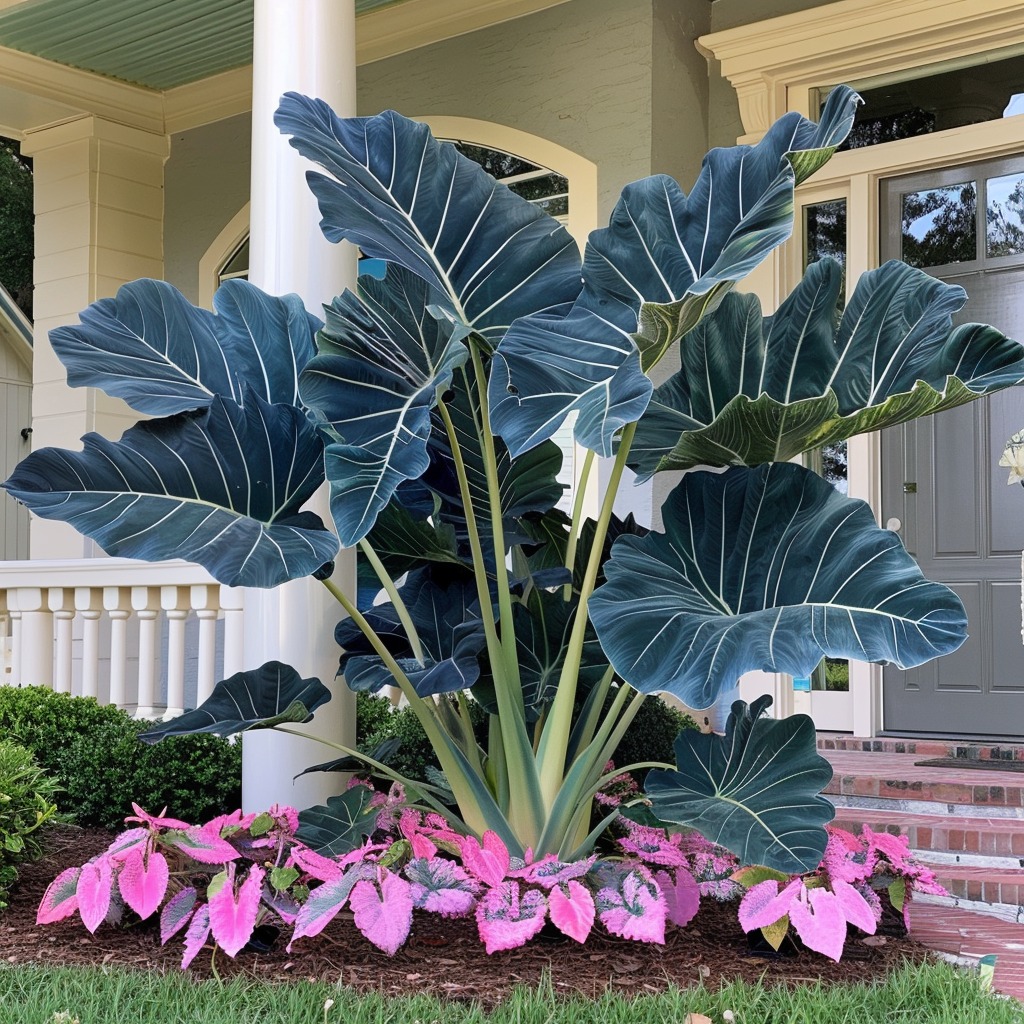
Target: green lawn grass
[{"x": 932, "y": 994}]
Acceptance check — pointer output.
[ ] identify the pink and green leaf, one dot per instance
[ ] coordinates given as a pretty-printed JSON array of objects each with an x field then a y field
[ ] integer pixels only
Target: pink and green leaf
[
  {"x": 488, "y": 860},
  {"x": 383, "y": 911},
  {"x": 61, "y": 897},
  {"x": 196, "y": 936},
  {"x": 441, "y": 886},
  {"x": 233, "y": 916},
  {"x": 634, "y": 909},
  {"x": 506, "y": 917},
  {"x": 323, "y": 905},
  {"x": 176, "y": 913},
  {"x": 207, "y": 847}
]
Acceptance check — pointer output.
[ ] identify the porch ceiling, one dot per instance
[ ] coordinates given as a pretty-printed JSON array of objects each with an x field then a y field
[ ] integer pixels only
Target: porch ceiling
[{"x": 157, "y": 44}]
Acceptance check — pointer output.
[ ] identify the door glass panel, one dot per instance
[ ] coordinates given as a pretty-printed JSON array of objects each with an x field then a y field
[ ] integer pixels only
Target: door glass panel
[
  {"x": 1004, "y": 215},
  {"x": 825, "y": 235},
  {"x": 939, "y": 225}
]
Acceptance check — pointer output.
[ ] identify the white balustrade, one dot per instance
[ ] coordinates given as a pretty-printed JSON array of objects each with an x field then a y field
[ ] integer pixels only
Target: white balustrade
[{"x": 151, "y": 638}]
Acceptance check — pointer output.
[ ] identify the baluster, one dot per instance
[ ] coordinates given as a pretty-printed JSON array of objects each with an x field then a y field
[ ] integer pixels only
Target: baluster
[
  {"x": 146, "y": 603},
  {"x": 15, "y": 614},
  {"x": 62, "y": 604},
  {"x": 117, "y": 604},
  {"x": 204, "y": 603},
  {"x": 89, "y": 604},
  {"x": 175, "y": 606},
  {"x": 36, "y": 637}
]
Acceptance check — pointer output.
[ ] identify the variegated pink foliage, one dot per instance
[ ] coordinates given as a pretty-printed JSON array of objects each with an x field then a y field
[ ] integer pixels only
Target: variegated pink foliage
[
  {"x": 196, "y": 936},
  {"x": 143, "y": 879},
  {"x": 681, "y": 893},
  {"x": 634, "y": 907},
  {"x": 487, "y": 859},
  {"x": 382, "y": 910},
  {"x": 258, "y": 869},
  {"x": 61, "y": 897},
  {"x": 507, "y": 916},
  {"x": 441, "y": 886},
  {"x": 176, "y": 913},
  {"x": 233, "y": 912}
]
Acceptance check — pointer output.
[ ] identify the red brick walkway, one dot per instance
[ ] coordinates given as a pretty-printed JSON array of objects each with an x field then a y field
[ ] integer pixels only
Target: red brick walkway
[{"x": 971, "y": 935}]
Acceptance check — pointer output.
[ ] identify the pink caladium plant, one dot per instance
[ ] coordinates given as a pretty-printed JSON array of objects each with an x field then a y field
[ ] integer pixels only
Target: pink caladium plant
[{"x": 257, "y": 869}]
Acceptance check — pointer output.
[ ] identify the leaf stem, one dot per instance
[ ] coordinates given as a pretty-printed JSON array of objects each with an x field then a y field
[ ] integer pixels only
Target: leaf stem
[
  {"x": 576, "y": 523},
  {"x": 555, "y": 742},
  {"x": 392, "y": 591}
]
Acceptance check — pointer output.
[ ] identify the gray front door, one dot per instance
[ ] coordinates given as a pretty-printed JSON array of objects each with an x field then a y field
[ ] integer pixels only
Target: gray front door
[{"x": 940, "y": 475}]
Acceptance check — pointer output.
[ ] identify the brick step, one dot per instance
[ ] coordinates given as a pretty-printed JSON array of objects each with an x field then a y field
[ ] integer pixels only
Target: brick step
[
  {"x": 991, "y": 837},
  {"x": 973, "y": 750},
  {"x": 897, "y": 778},
  {"x": 975, "y": 858}
]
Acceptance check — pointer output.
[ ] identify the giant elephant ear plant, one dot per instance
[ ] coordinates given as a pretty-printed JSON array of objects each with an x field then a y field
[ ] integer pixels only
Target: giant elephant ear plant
[{"x": 428, "y": 400}]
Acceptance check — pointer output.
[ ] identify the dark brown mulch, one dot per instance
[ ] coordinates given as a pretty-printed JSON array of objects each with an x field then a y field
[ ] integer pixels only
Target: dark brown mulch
[{"x": 442, "y": 957}]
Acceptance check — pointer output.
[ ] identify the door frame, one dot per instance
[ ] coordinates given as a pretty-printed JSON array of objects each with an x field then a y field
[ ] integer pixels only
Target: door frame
[{"x": 778, "y": 65}]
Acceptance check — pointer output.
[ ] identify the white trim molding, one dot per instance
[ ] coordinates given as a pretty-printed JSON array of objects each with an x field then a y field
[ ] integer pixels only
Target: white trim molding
[{"x": 775, "y": 64}]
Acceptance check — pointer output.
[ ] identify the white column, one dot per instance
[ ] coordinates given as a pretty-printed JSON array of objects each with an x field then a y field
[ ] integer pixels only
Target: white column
[
  {"x": 307, "y": 46},
  {"x": 36, "y": 637}
]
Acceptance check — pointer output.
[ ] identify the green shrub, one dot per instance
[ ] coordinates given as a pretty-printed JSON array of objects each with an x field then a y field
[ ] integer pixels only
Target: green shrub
[
  {"x": 95, "y": 754},
  {"x": 26, "y": 801}
]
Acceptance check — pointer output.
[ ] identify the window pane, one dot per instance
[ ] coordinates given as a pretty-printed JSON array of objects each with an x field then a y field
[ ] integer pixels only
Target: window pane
[
  {"x": 939, "y": 225},
  {"x": 934, "y": 102},
  {"x": 825, "y": 235},
  {"x": 1004, "y": 215}
]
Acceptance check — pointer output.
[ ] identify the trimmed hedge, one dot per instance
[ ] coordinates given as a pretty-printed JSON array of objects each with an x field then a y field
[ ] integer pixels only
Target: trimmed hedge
[{"x": 94, "y": 754}]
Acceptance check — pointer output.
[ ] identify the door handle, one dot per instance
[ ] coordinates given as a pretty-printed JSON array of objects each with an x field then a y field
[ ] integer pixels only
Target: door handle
[{"x": 894, "y": 524}]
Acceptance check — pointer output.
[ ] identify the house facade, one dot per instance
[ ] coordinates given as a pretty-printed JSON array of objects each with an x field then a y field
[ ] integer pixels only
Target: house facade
[{"x": 149, "y": 128}]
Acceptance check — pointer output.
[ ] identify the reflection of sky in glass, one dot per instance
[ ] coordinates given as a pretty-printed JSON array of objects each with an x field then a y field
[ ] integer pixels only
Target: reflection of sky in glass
[
  {"x": 920, "y": 226},
  {"x": 1005, "y": 230}
]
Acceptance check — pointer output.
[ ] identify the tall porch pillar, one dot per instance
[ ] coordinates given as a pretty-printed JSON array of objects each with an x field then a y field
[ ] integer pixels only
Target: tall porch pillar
[
  {"x": 99, "y": 224},
  {"x": 307, "y": 46}
]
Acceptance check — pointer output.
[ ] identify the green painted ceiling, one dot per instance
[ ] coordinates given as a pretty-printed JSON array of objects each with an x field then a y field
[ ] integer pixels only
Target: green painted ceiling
[{"x": 155, "y": 43}]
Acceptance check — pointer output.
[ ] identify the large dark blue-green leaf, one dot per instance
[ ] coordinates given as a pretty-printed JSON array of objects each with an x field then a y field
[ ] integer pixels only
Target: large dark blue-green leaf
[
  {"x": 273, "y": 694},
  {"x": 151, "y": 347},
  {"x": 754, "y": 790},
  {"x": 766, "y": 568},
  {"x": 340, "y": 825},
  {"x": 665, "y": 261},
  {"x": 754, "y": 390},
  {"x": 405, "y": 198},
  {"x": 383, "y": 360},
  {"x": 446, "y": 615},
  {"x": 223, "y": 488}
]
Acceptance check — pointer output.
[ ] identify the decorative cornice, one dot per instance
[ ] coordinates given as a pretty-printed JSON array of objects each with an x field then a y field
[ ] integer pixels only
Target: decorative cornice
[
  {"x": 209, "y": 100},
  {"x": 854, "y": 41},
  {"x": 81, "y": 90}
]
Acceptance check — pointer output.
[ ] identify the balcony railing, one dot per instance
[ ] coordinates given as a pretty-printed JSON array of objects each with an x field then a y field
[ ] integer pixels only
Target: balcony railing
[{"x": 151, "y": 638}]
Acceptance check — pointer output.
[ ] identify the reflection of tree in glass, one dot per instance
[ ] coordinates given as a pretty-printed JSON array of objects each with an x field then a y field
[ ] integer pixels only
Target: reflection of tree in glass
[
  {"x": 548, "y": 190},
  {"x": 1005, "y": 231},
  {"x": 16, "y": 225},
  {"x": 825, "y": 235},
  {"x": 834, "y": 465},
  {"x": 939, "y": 225},
  {"x": 906, "y": 124}
]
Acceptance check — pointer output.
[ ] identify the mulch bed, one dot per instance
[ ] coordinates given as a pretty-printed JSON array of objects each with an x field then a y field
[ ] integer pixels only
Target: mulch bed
[{"x": 442, "y": 957}]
